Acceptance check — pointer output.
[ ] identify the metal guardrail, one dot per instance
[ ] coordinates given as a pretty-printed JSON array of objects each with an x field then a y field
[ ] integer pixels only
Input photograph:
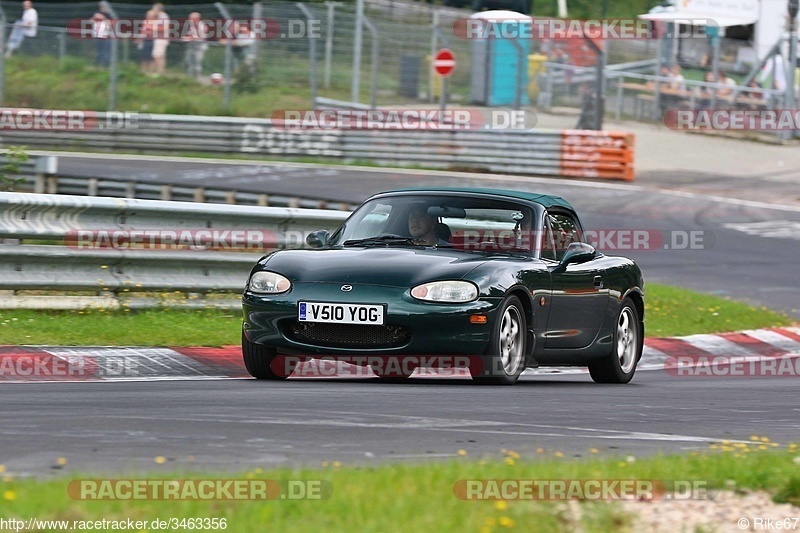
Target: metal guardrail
[
  {"x": 28, "y": 171},
  {"x": 72, "y": 261},
  {"x": 534, "y": 152},
  {"x": 40, "y": 175}
]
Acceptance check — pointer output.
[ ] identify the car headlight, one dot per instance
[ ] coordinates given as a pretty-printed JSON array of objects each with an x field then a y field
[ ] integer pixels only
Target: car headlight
[
  {"x": 446, "y": 291},
  {"x": 269, "y": 283}
]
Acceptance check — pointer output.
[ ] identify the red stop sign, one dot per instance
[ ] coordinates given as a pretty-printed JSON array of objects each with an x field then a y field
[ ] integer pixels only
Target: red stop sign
[{"x": 445, "y": 62}]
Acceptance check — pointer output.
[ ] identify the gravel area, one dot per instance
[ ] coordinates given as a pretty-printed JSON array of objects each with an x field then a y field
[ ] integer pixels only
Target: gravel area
[{"x": 726, "y": 512}]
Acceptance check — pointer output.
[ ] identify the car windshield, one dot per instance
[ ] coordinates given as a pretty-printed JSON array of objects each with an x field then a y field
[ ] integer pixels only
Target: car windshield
[{"x": 461, "y": 222}]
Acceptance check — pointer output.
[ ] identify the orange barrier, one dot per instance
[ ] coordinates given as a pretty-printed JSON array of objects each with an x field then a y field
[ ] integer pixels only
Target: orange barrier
[{"x": 597, "y": 154}]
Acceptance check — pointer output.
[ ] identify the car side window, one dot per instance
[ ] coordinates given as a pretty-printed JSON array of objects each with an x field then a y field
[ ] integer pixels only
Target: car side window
[
  {"x": 565, "y": 232},
  {"x": 548, "y": 246}
]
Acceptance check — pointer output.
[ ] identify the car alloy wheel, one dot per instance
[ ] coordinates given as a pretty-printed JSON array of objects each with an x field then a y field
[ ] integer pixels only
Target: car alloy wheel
[{"x": 626, "y": 348}]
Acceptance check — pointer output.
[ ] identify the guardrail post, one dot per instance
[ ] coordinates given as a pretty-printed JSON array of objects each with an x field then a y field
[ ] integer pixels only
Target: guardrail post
[
  {"x": 166, "y": 192},
  {"x": 200, "y": 195},
  {"x": 263, "y": 200},
  {"x": 230, "y": 197},
  {"x": 130, "y": 189},
  {"x": 46, "y": 168},
  {"x": 91, "y": 187}
]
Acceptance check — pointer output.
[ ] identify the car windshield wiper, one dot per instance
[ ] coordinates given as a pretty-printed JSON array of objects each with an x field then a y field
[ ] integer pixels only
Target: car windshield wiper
[{"x": 382, "y": 239}]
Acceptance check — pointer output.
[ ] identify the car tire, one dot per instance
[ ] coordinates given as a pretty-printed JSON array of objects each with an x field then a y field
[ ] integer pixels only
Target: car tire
[
  {"x": 505, "y": 356},
  {"x": 620, "y": 365},
  {"x": 258, "y": 360}
]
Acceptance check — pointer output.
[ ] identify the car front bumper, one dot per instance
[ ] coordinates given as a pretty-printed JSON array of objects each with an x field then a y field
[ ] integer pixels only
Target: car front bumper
[{"x": 417, "y": 328}]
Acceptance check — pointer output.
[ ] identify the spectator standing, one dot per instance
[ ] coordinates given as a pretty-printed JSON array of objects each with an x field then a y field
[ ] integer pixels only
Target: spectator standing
[
  {"x": 101, "y": 33},
  {"x": 243, "y": 44},
  {"x": 195, "y": 38},
  {"x": 774, "y": 69},
  {"x": 145, "y": 42},
  {"x": 160, "y": 42}
]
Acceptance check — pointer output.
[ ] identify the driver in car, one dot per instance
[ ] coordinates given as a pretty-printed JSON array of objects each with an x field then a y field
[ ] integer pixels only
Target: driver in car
[{"x": 422, "y": 226}]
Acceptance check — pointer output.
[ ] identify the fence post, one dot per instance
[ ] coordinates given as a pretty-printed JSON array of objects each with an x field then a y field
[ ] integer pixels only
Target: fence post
[
  {"x": 434, "y": 43},
  {"x": 226, "y": 91},
  {"x": 518, "y": 89},
  {"x": 329, "y": 41},
  {"x": 312, "y": 54},
  {"x": 112, "y": 67},
  {"x": 258, "y": 13},
  {"x": 62, "y": 49},
  {"x": 354, "y": 88},
  {"x": 112, "y": 76},
  {"x": 373, "y": 63},
  {"x": 2, "y": 55}
]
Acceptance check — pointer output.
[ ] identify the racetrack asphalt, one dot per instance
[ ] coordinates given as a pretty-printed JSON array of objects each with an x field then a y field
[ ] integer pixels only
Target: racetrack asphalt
[{"x": 241, "y": 423}]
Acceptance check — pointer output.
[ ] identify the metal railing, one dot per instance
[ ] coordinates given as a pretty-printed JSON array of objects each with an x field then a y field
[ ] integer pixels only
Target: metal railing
[
  {"x": 40, "y": 174},
  {"x": 145, "y": 247}
]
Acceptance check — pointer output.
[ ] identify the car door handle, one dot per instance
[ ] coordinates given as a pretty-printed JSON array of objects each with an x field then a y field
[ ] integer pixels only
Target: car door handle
[{"x": 598, "y": 282}]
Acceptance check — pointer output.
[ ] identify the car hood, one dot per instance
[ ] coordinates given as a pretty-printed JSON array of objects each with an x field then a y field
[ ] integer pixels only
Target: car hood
[{"x": 391, "y": 266}]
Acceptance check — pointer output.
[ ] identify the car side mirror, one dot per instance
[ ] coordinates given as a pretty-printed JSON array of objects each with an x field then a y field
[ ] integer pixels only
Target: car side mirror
[
  {"x": 577, "y": 253},
  {"x": 317, "y": 239}
]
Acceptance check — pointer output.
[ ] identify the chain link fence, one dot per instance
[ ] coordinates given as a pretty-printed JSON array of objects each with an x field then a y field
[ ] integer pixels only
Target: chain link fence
[{"x": 312, "y": 61}]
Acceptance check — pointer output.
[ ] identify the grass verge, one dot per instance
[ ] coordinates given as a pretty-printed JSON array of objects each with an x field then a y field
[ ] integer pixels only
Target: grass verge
[
  {"x": 421, "y": 497},
  {"x": 670, "y": 311}
]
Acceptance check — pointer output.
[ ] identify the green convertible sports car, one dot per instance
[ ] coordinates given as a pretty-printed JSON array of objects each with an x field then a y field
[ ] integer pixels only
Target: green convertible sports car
[{"x": 501, "y": 280}]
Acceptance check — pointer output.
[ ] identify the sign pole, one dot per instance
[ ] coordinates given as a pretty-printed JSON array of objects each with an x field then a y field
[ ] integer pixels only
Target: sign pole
[{"x": 443, "y": 64}]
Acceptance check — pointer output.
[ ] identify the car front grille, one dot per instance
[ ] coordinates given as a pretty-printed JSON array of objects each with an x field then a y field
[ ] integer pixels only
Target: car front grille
[{"x": 348, "y": 335}]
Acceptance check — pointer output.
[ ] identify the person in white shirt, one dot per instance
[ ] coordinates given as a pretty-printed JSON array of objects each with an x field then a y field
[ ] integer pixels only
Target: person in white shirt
[
  {"x": 30, "y": 19},
  {"x": 160, "y": 44},
  {"x": 776, "y": 65},
  {"x": 24, "y": 28}
]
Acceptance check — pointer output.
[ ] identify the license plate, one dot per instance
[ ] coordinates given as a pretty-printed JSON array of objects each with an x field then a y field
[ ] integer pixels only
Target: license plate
[{"x": 340, "y": 313}]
